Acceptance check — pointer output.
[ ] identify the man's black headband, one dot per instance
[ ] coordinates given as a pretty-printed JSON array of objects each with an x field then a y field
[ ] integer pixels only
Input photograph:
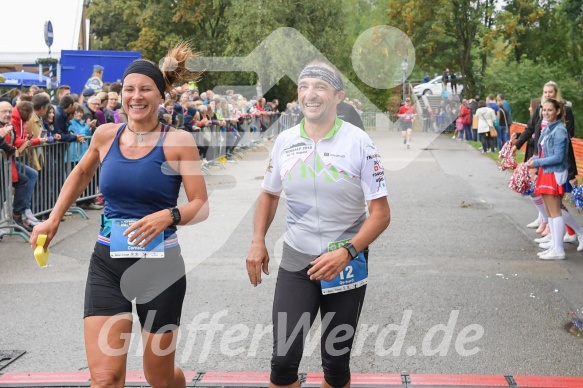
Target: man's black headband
[{"x": 147, "y": 68}]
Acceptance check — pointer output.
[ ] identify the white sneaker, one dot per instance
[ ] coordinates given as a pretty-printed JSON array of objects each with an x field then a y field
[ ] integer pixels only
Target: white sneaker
[
  {"x": 30, "y": 222},
  {"x": 453, "y": 137},
  {"x": 545, "y": 245},
  {"x": 544, "y": 252},
  {"x": 580, "y": 247},
  {"x": 570, "y": 238},
  {"x": 29, "y": 216},
  {"x": 552, "y": 255},
  {"x": 546, "y": 238},
  {"x": 534, "y": 224}
]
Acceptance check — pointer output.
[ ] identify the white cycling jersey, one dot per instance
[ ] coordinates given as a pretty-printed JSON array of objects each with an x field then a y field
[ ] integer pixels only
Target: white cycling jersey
[{"x": 326, "y": 184}]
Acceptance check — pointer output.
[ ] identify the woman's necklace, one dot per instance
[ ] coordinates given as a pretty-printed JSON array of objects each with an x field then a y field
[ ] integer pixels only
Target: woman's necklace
[{"x": 140, "y": 134}]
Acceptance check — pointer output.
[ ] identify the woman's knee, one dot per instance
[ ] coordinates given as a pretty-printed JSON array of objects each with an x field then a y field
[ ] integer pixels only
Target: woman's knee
[
  {"x": 159, "y": 379},
  {"x": 107, "y": 378}
]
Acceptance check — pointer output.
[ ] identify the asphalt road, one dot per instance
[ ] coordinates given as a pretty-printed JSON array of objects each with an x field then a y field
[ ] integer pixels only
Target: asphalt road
[{"x": 454, "y": 286}]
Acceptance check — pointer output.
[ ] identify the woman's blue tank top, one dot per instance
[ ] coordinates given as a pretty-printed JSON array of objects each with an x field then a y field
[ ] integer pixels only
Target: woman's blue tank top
[{"x": 135, "y": 188}]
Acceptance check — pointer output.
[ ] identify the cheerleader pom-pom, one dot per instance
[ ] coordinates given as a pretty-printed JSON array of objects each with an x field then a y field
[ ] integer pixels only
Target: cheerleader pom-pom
[
  {"x": 520, "y": 181},
  {"x": 576, "y": 197},
  {"x": 508, "y": 160},
  {"x": 530, "y": 190},
  {"x": 505, "y": 151}
]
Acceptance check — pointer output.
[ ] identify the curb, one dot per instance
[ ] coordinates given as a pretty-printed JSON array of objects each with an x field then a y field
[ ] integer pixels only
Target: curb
[{"x": 309, "y": 380}]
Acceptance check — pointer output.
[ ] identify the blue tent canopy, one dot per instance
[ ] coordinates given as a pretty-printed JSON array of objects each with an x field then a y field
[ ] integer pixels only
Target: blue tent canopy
[{"x": 23, "y": 78}]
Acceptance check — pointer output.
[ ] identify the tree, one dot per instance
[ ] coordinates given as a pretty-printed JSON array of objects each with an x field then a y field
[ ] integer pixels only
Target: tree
[
  {"x": 444, "y": 32},
  {"x": 521, "y": 81},
  {"x": 114, "y": 23},
  {"x": 517, "y": 24},
  {"x": 572, "y": 12}
]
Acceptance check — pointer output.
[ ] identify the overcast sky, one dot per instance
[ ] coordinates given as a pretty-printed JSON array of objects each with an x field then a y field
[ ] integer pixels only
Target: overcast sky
[{"x": 65, "y": 16}]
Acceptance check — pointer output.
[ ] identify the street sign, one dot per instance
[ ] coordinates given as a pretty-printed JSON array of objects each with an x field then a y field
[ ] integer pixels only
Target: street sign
[{"x": 49, "y": 33}]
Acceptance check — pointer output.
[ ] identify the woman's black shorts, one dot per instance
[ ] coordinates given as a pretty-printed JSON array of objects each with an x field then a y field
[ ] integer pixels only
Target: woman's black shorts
[{"x": 158, "y": 286}]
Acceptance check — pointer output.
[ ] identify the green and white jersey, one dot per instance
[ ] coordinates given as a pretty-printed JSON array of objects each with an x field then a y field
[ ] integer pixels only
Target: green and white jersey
[{"x": 326, "y": 184}]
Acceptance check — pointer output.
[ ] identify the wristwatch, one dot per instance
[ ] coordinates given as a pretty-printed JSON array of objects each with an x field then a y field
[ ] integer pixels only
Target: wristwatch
[
  {"x": 351, "y": 250},
  {"x": 175, "y": 213}
]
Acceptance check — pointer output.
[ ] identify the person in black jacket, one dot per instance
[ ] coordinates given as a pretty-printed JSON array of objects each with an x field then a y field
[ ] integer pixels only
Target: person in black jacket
[
  {"x": 345, "y": 112},
  {"x": 533, "y": 132},
  {"x": 61, "y": 124},
  {"x": 550, "y": 90}
]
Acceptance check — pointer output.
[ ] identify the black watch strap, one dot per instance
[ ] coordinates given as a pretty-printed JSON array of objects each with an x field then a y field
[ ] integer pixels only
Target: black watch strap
[
  {"x": 351, "y": 250},
  {"x": 175, "y": 213}
]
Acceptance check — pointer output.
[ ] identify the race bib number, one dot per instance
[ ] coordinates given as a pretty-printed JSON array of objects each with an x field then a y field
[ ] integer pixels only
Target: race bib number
[
  {"x": 121, "y": 246},
  {"x": 354, "y": 275}
]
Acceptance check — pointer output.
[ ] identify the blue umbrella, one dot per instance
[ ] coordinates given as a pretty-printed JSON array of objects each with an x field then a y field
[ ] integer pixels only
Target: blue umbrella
[{"x": 23, "y": 78}]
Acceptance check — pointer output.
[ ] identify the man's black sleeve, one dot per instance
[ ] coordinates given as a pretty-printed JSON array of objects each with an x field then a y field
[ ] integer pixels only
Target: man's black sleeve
[
  {"x": 347, "y": 113},
  {"x": 7, "y": 148},
  {"x": 528, "y": 131},
  {"x": 60, "y": 126}
]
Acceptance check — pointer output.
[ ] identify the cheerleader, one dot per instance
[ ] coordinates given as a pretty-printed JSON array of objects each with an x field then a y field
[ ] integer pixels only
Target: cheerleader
[{"x": 552, "y": 163}]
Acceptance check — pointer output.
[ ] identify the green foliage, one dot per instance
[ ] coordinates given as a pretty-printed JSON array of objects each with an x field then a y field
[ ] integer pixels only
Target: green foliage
[
  {"x": 113, "y": 23},
  {"x": 47, "y": 61},
  {"x": 515, "y": 49},
  {"x": 522, "y": 81}
]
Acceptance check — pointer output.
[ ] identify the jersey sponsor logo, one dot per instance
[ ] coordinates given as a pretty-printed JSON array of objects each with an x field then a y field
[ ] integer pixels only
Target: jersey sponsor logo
[
  {"x": 297, "y": 145},
  {"x": 374, "y": 156},
  {"x": 269, "y": 165},
  {"x": 298, "y": 149},
  {"x": 334, "y": 155}
]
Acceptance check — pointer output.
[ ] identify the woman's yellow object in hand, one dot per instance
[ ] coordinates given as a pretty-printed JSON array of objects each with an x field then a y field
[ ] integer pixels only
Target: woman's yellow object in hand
[{"x": 41, "y": 256}]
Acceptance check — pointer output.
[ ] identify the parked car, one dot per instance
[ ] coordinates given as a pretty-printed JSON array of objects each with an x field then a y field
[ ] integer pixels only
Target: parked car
[{"x": 435, "y": 86}]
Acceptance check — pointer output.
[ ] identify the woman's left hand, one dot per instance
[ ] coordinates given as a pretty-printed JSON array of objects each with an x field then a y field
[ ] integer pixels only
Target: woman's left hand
[{"x": 146, "y": 229}]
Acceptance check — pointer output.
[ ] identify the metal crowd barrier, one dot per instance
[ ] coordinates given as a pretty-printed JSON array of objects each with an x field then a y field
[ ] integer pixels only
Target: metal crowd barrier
[
  {"x": 7, "y": 225},
  {"x": 286, "y": 121},
  {"x": 53, "y": 163},
  {"x": 214, "y": 141},
  {"x": 369, "y": 120},
  {"x": 382, "y": 121}
]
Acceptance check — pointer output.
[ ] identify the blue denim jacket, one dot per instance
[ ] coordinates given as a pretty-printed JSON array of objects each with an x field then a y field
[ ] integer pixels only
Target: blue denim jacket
[{"x": 556, "y": 141}]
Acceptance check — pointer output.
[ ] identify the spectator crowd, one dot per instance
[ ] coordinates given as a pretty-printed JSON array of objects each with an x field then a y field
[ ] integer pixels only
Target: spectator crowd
[{"x": 31, "y": 120}]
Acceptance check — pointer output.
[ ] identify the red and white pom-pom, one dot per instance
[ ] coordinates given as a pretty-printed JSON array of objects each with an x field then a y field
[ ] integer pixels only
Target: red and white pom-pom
[
  {"x": 520, "y": 180},
  {"x": 508, "y": 160}
]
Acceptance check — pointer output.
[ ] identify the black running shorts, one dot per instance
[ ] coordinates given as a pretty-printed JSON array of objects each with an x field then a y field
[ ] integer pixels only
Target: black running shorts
[{"x": 157, "y": 285}]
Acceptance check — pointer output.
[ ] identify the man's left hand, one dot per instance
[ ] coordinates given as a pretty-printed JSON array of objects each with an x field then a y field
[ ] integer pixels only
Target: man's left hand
[{"x": 329, "y": 265}]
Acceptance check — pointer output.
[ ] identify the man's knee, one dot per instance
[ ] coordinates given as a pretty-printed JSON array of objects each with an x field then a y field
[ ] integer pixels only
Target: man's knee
[
  {"x": 22, "y": 180},
  {"x": 284, "y": 370},
  {"x": 337, "y": 371}
]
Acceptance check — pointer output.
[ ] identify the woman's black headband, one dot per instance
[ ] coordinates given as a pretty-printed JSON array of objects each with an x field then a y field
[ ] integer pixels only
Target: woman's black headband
[{"x": 147, "y": 68}]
